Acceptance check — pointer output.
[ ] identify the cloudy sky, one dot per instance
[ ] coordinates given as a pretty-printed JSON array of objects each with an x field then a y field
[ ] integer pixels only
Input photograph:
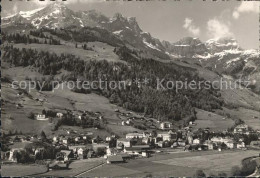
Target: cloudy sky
[{"x": 171, "y": 20}]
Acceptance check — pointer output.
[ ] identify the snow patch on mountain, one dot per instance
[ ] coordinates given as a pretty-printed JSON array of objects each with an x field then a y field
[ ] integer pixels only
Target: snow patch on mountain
[
  {"x": 150, "y": 45},
  {"x": 233, "y": 60},
  {"x": 205, "y": 57},
  {"x": 117, "y": 32},
  {"x": 29, "y": 14}
]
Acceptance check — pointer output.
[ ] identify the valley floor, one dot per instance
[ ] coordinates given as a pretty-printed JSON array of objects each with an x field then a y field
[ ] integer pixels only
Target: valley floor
[{"x": 176, "y": 163}]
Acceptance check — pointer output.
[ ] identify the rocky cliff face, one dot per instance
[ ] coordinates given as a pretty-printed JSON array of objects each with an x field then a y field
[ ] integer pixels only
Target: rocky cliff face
[
  {"x": 57, "y": 15},
  {"x": 186, "y": 47},
  {"x": 216, "y": 46}
]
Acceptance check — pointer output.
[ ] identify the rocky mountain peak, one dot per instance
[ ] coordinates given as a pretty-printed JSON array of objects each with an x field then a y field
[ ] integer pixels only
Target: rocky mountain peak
[
  {"x": 119, "y": 17},
  {"x": 188, "y": 41},
  {"x": 222, "y": 44},
  {"x": 186, "y": 47}
]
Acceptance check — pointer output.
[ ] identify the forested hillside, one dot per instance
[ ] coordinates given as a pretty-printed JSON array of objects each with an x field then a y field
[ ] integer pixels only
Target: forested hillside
[{"x": 162, "y": 104}]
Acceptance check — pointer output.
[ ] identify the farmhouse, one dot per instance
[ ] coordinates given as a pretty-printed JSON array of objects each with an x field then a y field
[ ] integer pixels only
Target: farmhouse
[
  {"x": 59, "y": 114},
  {"x": 79, "y": 150},
  {"x": 209, "y": 144},
  {"x": 38, "y": 150},
  {"x": 111, "y": 151},
  {"x": 241, "y": 145},
  {"x": 12, "y": 153},
  {"x": 134, "y": 135},
  {"x": 41, "y": 117},
  {"x": 146, "y": 140},
  {"x": 137, "y": 150},
  {"x": 241, "y": 129},
  {"x": 167, "y": 135},
  {"x": 190, "y": 139},
  {"x": 122, "y": 143},
  {"x": 221, "y": 140},
  {"x": 100, "y": 147},
  {"x": 64, "y": 155},
  {"x": 160, "y": 144},
  {"x": 55, "y": 139},
  {"x": 255, "y": 144},
  {"x": 65, "y": 140},
  {"x": 165, "y": 125},
  {"x": 196, "y": 141},
  {"x": 230, "y": 144}
]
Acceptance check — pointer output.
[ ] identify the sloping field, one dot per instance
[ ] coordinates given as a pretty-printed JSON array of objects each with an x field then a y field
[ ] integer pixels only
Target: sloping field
[
  {"x": 75, "y": 168},
  {"x": 102, "y": 51},
  {"x": 14, "y": 170},
  {"x": 213, "y": 121},
  {"x": 213, "y": 163},
  {"x": 175, "y": 164},
  {"x": 251, "y": 117}
]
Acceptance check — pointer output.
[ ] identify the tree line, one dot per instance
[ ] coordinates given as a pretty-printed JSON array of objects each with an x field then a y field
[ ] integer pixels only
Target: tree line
[{"x": 162, "y": 104}]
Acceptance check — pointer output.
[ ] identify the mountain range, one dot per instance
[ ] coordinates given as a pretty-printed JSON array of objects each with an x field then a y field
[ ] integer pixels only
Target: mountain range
[{"x": 223, "y": 55}]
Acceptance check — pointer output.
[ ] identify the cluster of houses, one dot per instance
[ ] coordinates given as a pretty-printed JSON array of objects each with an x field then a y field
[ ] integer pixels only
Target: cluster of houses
[{"x": 73, "y": 145}]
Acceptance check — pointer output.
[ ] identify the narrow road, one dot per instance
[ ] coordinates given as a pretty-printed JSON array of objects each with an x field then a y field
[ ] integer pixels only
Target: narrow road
[{"x": 78, "y": 175}]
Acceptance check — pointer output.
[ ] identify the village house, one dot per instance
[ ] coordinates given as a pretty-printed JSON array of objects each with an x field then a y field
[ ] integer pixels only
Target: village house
[
  {"x": 157, "y": 139},
  {"x": 190, "y": 138},
  {"x": 231, "y": 144},
  {"x": 165, "y": 125},
  {"x": 108, "y": 139},
  {"x": 111, "y": 151},
  {"x": 160, "y": 144},
  {"x": 128, "y": 122},
  {"x": 5, "y": 155},
  {"x": 84, "y": 137},
  {"x": 91, "y": 154},
  {"x": 38, "y": 150},
  {"x": 16, "y": 147},
  {"x": 138, "y": 150},
  {"x": 146, "y": 140},
  {"x": 41, "y": 117},
  {"x": 241, "y": 129},
  {"x": 122, "y": 143},
  {"x": 77, "y": 139},
  {"x": 167, "y": 135},
  {"x": 80, "y": 151},
  {"x": 100, "y": 147},
  {"x": 241, "y": 145},
  {"x": 209, "y": 144},
  {"x": 135, "y": 135},
  {"x": 221, "y": 140},
  {"x": 12, "y": 154},
  {"x": 196, "y": 141},
  {"x": 64, "y": 155},
  {"x": 65, "y": 140},
  {"x": 59, "y": 114},
  {"x": 181, "y": 142},
  {"x": 192, "y": 123},
  {"x": 255, "y": 144},
  {"x": 55, "y": 139}
]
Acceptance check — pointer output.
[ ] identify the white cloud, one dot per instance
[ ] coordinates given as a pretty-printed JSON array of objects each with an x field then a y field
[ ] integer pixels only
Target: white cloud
[
  {"x": 189, "y": 25},
  {"x": 246, "y": 7},
  {"x": 217, "y": 29}
]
